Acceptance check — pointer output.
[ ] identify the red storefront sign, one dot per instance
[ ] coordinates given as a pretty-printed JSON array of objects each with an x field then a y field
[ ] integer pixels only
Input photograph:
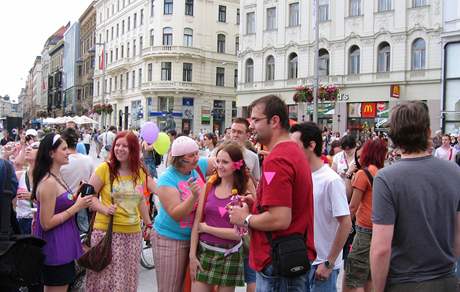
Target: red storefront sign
[
  {"x": 368, "y": 110},
  {"x": 395, "y": 90}
]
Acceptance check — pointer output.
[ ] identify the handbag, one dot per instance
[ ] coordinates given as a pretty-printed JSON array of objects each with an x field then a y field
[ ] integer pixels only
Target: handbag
[
  {"x": 21, "y": 256},
  {"x": 289, "y": 254},
  {"x": 98, "y": 257}
]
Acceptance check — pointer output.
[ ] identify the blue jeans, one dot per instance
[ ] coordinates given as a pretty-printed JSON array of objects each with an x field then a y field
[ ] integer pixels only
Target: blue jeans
[
  {"x": 151, "y": 167},
  {"x": 267, "y": 282},
  {"x": 25, "y": 225},
  {"x": 329, "y": 285}
]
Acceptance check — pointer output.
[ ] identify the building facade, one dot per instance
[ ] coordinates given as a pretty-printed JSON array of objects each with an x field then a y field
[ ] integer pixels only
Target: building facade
[
  {"x": 55, "y": 93},
  {"x": 36, "y": 88},
  {"x": 451, "y": 67},
  {"x": 69, "y": 68},
  {"x": 371, "y": 50},
  {"x": 86, "y": 63},
  {"x": 172, "y": 62}
]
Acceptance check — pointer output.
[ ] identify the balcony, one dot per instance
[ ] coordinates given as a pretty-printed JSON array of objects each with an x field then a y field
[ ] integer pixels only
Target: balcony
[
  {"x": 171, "y": 85},
  {"x": 118, "y": 66},
  {"x": 171, "y": 50}
]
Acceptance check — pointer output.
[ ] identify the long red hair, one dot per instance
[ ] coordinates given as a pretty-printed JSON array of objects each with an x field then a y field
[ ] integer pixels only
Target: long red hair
[
  {"x": 374, "y": 152},
  {"x": 134, "y": 158}
]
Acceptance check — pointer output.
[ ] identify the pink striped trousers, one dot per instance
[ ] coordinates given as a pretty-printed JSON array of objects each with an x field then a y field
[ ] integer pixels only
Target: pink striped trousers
[{"x": 171, "y": 258}]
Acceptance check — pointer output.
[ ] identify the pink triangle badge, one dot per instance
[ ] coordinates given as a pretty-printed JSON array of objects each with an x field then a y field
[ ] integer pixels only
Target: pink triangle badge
[
  {"x": 269, "y": 175},
  {"x": 222, "y": 211}
]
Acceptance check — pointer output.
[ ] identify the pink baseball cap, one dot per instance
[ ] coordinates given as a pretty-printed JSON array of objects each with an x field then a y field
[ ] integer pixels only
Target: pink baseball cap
[{"x": 183, "y": 145}]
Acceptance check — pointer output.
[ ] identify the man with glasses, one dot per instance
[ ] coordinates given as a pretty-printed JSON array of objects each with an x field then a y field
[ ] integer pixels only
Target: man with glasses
[
  {"x": 284, "y": 197},
  {"x": 239, "y": 133}
]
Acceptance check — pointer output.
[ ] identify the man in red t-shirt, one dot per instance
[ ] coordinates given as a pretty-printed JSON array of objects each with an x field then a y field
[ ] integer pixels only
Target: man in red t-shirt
[{"x": 285, "y": 194}]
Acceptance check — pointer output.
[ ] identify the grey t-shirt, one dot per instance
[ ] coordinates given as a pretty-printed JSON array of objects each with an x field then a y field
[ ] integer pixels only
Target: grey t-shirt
[{"x": 420, "y": 197}]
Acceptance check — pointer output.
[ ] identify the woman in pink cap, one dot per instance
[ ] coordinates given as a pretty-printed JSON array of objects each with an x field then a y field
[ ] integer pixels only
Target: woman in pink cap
[{"x": 179, "y": 188}]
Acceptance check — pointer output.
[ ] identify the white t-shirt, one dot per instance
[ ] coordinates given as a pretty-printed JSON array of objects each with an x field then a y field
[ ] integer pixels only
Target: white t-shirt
[
  {"x": 80, "y": 168},
  {"x": 86, "y": 138},
  {"x": 340, "y": 160},
  {"x": 252, "y": 162},
  {"x": 444, "y": 154},
  {"x": 23, "y": 207},
  {"x": 330, "y": 202},
  {"x": 106, "y": 138}
]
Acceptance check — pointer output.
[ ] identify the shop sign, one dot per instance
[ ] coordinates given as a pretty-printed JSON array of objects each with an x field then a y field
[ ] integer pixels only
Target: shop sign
[
  {"x": 354, "y": 110},
  {"x": 368, "y": 110},
  {"x": 187, "y": 101},
  {"x": 382, "y": 110},
  {"x": 205, "y": 115},
  {"x": 395, "y": 90}
]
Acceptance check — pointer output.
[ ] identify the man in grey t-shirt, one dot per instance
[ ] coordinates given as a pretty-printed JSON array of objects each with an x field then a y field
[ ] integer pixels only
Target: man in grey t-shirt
[{"x": 415, "y": 211}]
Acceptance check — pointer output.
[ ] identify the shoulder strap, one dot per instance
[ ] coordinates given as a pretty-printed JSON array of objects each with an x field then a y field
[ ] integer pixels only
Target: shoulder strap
[
  {"x": 208, "y": 188},
  {"x": 450, "y": 153},
  {"x": 5, "y": 204},
  {"x": 369, "y": 176},
  {"x": 200, "y": 173},
  {"x": 27, "y": 181}
]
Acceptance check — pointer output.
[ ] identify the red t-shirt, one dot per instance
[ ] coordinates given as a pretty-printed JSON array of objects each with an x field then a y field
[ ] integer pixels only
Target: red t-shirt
[{"x": 286, "y": 181}]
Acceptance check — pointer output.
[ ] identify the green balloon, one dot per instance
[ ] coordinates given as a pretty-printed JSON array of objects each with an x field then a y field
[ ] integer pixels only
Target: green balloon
[{"x": 162, "y": 143}]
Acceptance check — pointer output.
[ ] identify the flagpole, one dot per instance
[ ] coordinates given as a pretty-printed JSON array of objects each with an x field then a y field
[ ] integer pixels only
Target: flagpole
[
  {"x": 316, "y": 61},
  {"x": 103, "y": 80}
]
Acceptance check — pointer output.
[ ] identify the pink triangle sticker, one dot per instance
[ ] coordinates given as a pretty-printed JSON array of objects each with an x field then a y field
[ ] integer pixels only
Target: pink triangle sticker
[
  {"x": 222, "y": 211},
  {"x": 269, "y": 175}
]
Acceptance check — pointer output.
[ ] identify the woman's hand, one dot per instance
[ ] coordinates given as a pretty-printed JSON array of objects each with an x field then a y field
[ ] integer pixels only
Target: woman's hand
[
  {"x": 194, "y": 187},
  {"x": 202, "y": 227},
  {"x": 83, "y": 202},
  {"x": 110, "y": 210},
  {"x": 24, "y": 196},
  {"x": 147, "y": 231},
  {"x": 194, "y": 267}
]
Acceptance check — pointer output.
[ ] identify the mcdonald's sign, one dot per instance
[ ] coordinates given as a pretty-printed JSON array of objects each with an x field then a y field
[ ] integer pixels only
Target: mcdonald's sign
[
  {"x": 395, "y": 91},
  {"x": 368, "y": 110}
]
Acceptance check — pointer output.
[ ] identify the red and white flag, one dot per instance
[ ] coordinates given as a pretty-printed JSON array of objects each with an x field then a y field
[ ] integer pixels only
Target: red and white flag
[{"x": 102, "y": 60}]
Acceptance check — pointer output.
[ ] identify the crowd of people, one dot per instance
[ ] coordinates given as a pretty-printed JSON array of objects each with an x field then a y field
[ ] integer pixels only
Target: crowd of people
[{"x": 384, "y": 210}]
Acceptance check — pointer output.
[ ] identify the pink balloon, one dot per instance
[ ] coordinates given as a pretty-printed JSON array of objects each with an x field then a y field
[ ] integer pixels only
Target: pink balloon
[{"x": 149, "y": 132}]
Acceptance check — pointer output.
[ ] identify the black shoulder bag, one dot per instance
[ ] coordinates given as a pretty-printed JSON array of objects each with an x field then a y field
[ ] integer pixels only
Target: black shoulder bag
[
  {"x": 21, "y": 256},
  {"x": 369, "y": 176},
  {"x": 289, "y": 254}
]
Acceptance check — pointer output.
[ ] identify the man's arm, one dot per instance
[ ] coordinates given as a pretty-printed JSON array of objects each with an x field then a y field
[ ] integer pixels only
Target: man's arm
[
  {"x": 340, "y": 237},
  {"x": 273, "y": 219},
  {"x": 457, "y": 236},
  {"x": 382, "y": 236}
]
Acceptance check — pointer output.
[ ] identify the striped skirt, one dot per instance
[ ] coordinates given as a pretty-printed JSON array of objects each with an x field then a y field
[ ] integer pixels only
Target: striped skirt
[
  {"x": 122, "y": 274},
  {"x": 219, "y": 269}
]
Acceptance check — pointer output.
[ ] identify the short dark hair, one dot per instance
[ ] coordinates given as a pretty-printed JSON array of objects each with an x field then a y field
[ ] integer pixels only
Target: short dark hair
[
  {"x": 71, "y": 136},
  {"x": 112, "y": 128},
  {"x": 334, "y": 144},
  {"x": 348, "y": 141},
  {"x": 409, "y": 126},
  {"x": 309, "y": 132},
  {"x": 242, "y": 121},
  {"x": 274, "y": 106},
  {"x": 172, "y": 133}
]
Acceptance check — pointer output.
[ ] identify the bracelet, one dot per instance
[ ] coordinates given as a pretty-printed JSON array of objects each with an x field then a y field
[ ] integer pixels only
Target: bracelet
[{"x": 149, "y": 226}]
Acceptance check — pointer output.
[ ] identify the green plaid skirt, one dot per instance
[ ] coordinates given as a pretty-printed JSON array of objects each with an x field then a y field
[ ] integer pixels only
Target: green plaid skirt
[{"x": 220, "y": 270}]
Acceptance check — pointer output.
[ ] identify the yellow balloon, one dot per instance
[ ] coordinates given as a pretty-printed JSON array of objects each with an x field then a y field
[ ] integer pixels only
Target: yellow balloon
[{"x": 162, "y": 143}]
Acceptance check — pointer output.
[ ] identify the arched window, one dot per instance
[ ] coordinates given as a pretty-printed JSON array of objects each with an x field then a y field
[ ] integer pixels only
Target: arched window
[
  {"x": 323, "y": 63},
  {"x": 270, "y": 68},
  {"x": 383, "y": 57},
  {"x": 188, "y": 37},
  {"x": 249, "y": 78},
  {"x": 292, "y": 66},
  {"x": 354, "y": 60},
  {"x": 167, "y": 36},
  {"x": 418, "y": 54},
  {"x": 221, "y": 43}
]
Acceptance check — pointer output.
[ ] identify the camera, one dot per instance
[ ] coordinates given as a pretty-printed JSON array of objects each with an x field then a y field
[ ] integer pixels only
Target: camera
[{"x": 86, "y": 190}]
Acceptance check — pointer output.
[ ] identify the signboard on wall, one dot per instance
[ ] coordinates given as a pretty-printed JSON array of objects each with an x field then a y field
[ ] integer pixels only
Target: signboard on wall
[
  {"x": 205, "y": 115},
  {"x": 354, "y": 110},
  {"x": 395, "y": 90}
]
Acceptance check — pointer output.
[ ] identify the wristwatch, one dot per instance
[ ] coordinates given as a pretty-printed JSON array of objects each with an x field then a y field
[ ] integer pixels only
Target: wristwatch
[
  {"x": 328, "y": 265},
  {"x": 246, "y": 221}
]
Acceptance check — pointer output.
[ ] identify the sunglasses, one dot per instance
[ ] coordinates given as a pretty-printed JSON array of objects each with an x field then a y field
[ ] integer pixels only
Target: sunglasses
[{"x": 35, "y": 145}]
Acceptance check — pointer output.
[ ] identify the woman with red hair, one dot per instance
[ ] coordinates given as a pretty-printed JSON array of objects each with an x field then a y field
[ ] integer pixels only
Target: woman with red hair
[
  {"x": 357, "y": 266},
  {"x": 120, "y": 182}
]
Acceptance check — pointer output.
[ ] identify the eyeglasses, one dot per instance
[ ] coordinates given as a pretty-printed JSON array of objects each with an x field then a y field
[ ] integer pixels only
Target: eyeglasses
[{"x": 255, "y": 120}]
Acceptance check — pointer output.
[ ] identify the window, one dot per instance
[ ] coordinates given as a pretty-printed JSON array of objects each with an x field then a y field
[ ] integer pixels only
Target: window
[
  {"x": 127, "y": 50},
  {"x": 133, "y": 79},
  {"x": 141, "y": 40},
  {"x": 237, "y": 44},
  {"x": 188, "y": 37},
  {"x": 142, "y": 17},
  {"x": 187, "y": 72},
  {"x": 167, "y": 36},
  {"x": 168, "y": 7},
  {"x": 122, "y": 51},
  {"x": 134, "y": 48},
  {"x": 149, "y": 71},
  {"x": 249, "y": 71},
  {"x": 271, "y": 18},
  {"x": 165, "y": 103},
  {"x": 270, "y": 68},
  {"x": 118, "y": 29},
  {"x": 111, "y": 56},
  {"x": 106, "y": 35},
  {"x": 323, "y": 10},
  {"x": 355, "y": 7},
  {"x": 383, "y": 57},
  {"x": 135, "y": 20},
  {"x": 221, "y": 43},
  {"x": 418, "y": 54},
  {"x": 418, "y": 3},
  {"x": 222, "y": 13},
  {"x": 294, "y": 14},
  {"x": 121, "y": 81},
  {"x": 152, "y": 7},
  {"x": 140, "y": 77},
  {"x": 116, "y": 54},
  {"x": 111, "y": 33},
  {"x": 127, "y": 80},
  {"x": 354, "y": 60},
  {"x": 189, "y": 7},
  {"x": 384, "y": 5},
  {"x": 129, "y": 23},
  {"x": 165, "y": 71},
  {"x": 110, "y": 84},
  {"x": 250, "y": 22},
  {"x": 122, "y": 27},
  {"x": 235, "y": 78},
  {"x": 118, "y": 5},
  {"x": 237, "y": 16},
  {"x": 323, "y": 62},
  {"x": 115, "y": 87},
  {"x": 220, "y": 76},
  {"x": 151, "y": 37},
  {"x": 292, "y": 66}
]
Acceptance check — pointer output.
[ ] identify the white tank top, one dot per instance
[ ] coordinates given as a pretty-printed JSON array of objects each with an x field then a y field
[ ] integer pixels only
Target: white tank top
[{"x": 23, "y": 207}]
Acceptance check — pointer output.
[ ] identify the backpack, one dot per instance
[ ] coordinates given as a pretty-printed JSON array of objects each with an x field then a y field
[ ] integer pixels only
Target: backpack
[{"x": 158, "y": 158}]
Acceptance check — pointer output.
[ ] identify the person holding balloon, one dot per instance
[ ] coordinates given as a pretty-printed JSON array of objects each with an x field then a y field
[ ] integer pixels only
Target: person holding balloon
[{"x": 154, "y": 145}]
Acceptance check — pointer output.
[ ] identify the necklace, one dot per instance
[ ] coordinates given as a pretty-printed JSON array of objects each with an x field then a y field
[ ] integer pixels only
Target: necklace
[{"x": 61, "y": 182}]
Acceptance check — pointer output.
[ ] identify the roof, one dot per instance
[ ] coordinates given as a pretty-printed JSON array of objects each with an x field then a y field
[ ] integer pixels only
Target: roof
[{"x": 57, "y": 36}]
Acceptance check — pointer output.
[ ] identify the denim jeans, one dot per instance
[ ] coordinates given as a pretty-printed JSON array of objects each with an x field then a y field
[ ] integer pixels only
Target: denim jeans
[
  {"x": 329, "y": 285},
  {"x": 25, "y": 225},
  {"x": 151, "y": 167},
  {"x": 267, "y": 282}
]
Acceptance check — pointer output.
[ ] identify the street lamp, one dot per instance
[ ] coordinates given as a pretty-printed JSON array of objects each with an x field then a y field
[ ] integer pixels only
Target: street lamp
[
  {"x": 316, "y": 62},
  {"x": 103, "y": 77}
]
